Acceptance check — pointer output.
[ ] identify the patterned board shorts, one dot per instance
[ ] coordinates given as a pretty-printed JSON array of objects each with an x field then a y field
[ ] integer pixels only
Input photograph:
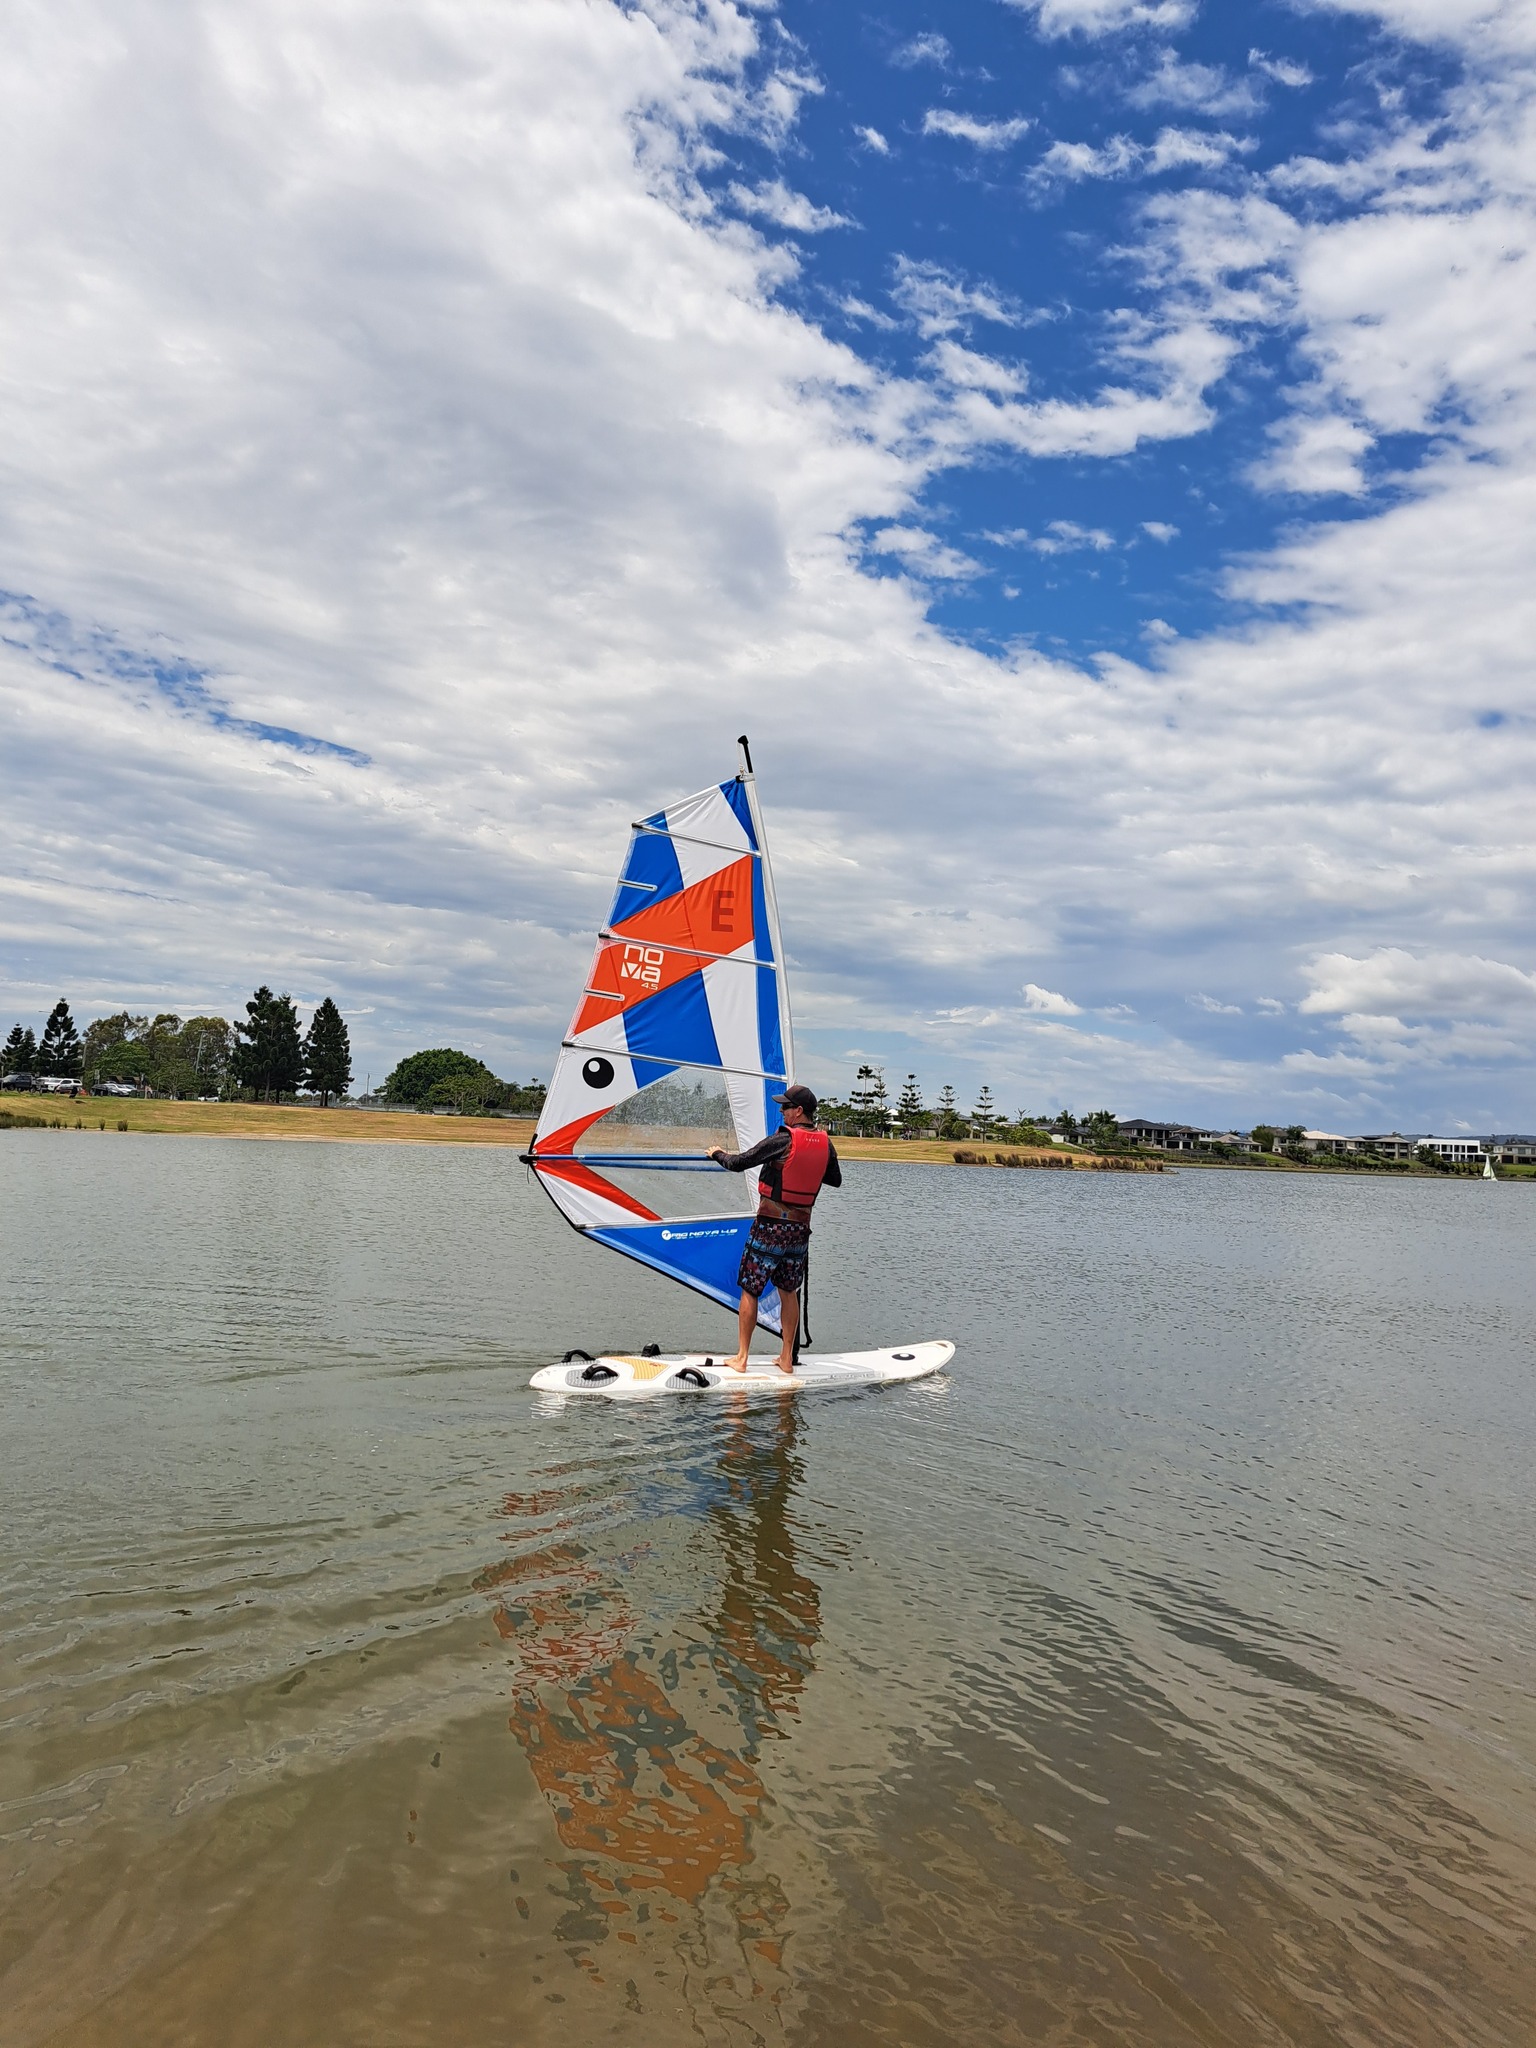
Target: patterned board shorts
[{"x": 774, "y": 1256}]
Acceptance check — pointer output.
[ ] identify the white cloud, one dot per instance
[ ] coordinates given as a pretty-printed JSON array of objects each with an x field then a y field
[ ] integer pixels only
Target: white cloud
[
  {"x": 923, "y": 49},
  {"x": 1166, "y": 373},
  {"x": 1066, "y": 537},
  {"x": 939, "y": 300},
  {"x": 1198, "y": 88},
  {"x": 857, "y": 309},
  {"x": 973, "y": 128},
  {"x": 923, "y": 553},
  {"x": 1047, "y": 1002},
  {"x": 873, "y": 139},
  {"x": 1173, "y": 149},
  {"x": 1270, "y": 1004},
  {"x": 1105, "y": 17},
  {"x": 968, "y": 371},
  {"x": 1440, "y": 984},
  {"x": 1178, "y": 149},
  {"x": 1159, "y": 529},
  {"x": 1314, "y": 454},
  {"x": 1283, "y": 70},
  {"x": 1068, "y": 162},
  {"x": 786, "y": 209},
  {"x": 1204, "y": 1002},
  {"x": 1486, "y": 29}
]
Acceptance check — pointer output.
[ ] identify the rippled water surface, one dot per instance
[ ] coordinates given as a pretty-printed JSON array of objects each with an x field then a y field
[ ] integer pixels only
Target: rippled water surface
[{"x": 1161, "y": 1674}]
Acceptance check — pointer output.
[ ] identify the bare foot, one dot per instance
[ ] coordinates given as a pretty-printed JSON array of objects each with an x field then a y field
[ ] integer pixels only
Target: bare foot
[
  {"x": 736, "y": 1364},
  {"x": 786, "y": 1365}
]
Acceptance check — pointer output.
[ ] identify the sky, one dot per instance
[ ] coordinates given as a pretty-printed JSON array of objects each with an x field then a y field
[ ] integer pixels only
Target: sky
[{"x": 1088, "y": 444}]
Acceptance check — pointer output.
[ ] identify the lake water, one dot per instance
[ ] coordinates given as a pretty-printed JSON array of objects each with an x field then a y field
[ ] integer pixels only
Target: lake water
[{"x": 1164, "y": 1673}]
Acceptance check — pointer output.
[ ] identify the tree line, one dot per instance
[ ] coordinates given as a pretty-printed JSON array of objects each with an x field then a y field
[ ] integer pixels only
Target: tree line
[
  {"x": 266, "y": 1056},
  {"x": 868, "y": 1112},
  {"x": 263, "y": 1055}
]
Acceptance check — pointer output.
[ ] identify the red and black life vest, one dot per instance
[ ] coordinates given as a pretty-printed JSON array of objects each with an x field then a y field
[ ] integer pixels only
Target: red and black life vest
[{"x": 803, "y": 1170}]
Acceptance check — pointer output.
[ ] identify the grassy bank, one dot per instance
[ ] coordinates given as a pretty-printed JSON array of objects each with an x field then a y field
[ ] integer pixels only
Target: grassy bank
[
  {"x": 946, "y": 1151},
  {"x": 266, "y": 1120}
]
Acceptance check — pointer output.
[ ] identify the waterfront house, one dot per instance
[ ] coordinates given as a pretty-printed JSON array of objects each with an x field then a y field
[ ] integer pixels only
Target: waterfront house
[
  {"x": 1453, "y": 1151},
  {"x": 1391, "y": 1144},
  {"x": 1164, "y": 1137},
  {"x": 1510, "y": 1149}
]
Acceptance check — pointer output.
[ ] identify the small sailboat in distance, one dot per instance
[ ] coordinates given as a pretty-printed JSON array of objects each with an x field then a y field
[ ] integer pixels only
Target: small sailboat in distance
[{"x": 680, "y": 1041}]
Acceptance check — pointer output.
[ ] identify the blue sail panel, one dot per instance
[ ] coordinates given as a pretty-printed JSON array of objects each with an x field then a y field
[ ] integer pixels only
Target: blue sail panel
[
  {"x": 735, "y": 794},
  {"x": 674, "y": 1026},
  {"x": 770, "y": 1038},
  {"x": 650, "y": 874},
  {"x": 704, "y": 1254},
  {"x": 762, "y": 926}
]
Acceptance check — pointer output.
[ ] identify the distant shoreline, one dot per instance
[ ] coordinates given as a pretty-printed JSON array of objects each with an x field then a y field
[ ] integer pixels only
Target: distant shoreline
[{"x": 302, "y": 1124}]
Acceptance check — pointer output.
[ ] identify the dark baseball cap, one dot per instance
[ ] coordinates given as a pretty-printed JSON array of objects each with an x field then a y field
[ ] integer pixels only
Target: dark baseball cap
[{"x": 797, "y": 1098}]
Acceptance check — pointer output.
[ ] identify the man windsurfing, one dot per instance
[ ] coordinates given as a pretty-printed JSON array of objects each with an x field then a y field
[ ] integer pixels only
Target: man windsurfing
[{"x": 797, "y": 1162}]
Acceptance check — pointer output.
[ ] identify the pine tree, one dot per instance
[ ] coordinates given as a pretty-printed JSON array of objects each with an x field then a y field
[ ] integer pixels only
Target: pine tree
[
  {"x": 287, "y": 1049},
  {"x": 20, "y": 1053},
  {"x": 59, "y": 1053},
  {"x": 327, "y": 1054},
  {"x": 984, "y": 1115},
  {"x": 270, "y": 1059},
  {"x": 910, "y": 1108},
  {"x": 870, "y": 1102},
  {"x": 252, "y": 1050},
  {"x": 950, "y": 1125}
]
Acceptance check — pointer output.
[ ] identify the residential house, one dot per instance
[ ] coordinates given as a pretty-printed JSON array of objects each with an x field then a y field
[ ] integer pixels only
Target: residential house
[
  {"x": 1453, "y": 1151},
  {"x": 1391, "y": 1144},
  {"x": 1164, "y": 1137},
  {"x": 1509, "y": 1149}
]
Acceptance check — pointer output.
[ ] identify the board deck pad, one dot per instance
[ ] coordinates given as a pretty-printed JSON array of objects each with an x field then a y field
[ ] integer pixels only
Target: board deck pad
[{"x": 620, "y": 1376}]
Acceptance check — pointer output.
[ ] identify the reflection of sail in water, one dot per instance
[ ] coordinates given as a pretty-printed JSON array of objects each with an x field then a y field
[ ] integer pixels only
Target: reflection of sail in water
[{"x": 656, "y": 1808}]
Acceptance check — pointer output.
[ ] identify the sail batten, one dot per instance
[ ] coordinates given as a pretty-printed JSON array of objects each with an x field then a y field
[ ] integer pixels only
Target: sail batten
[
  {"x": 682, "y": 1029},
  {"x": 641, "y": 1059},
  {"x": 649, "y": 1162},
  {"x": 688, "y": 839},
  {"x": 609, "y": 936}
]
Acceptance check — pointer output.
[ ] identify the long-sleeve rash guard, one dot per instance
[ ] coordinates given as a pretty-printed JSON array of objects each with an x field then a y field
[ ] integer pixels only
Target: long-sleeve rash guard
[{"x": 770, "y": 1154}]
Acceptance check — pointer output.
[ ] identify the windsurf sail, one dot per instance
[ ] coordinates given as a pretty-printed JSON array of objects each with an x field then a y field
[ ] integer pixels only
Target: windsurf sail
[{"x": 680, "y": 1040}]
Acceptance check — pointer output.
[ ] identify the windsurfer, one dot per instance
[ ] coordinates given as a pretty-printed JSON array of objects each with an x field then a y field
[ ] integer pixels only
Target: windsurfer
[{"x": 797, "y": 1162}]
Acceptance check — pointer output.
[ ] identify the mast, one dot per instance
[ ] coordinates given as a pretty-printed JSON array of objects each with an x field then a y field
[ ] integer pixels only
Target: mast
[{"x": 786, "y": 1026}]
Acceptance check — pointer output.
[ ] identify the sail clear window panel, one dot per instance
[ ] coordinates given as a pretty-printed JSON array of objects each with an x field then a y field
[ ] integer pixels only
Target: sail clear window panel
[
  {"x": 681, "y": 1197},
  {"x": 684, "y": 1110}
]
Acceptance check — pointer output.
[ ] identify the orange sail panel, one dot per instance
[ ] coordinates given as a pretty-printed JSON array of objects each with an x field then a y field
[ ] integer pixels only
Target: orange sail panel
[{"x": 667, "y": 941}]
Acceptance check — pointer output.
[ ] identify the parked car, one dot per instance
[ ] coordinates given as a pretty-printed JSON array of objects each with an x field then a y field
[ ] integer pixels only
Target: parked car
[
  {"x": 58, "y": 1084},
  {"x": 114, "y": 1088},
  {"x": 18, "y": 1081}
]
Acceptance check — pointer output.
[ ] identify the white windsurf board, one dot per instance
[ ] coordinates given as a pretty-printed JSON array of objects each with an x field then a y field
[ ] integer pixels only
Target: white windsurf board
[{"x": 622, "y": 1377}]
